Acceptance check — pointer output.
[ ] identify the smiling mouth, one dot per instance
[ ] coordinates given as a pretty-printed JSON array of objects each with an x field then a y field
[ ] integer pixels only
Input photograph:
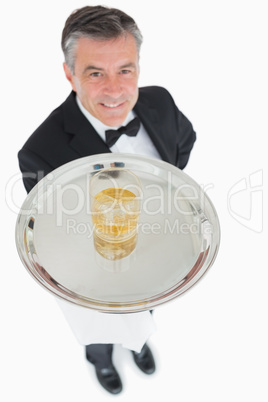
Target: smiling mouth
[{"x": 112, "y": 105}]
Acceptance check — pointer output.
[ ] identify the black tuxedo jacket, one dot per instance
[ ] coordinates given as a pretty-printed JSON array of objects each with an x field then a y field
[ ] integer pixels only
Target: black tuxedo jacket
[{"x": 67, "y": 135}]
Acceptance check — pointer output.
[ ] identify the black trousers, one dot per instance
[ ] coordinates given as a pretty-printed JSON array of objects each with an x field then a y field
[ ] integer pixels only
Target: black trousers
[{"x": 100, "y": 354}]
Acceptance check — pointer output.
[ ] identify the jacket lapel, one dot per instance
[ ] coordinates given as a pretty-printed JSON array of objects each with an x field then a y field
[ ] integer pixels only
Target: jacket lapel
[
  {"x": 150, "y": 119},
  {"x": 85, "y": 140}
]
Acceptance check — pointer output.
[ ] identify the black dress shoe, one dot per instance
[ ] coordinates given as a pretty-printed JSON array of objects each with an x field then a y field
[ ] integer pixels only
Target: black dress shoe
[
  {"x": 145, "y": 360},
  {"x": 109, "y": 379}
]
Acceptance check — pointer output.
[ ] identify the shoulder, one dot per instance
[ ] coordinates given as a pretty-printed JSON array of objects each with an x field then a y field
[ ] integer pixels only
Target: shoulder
[
  {"x": 50, "y": 141},
  {"x": 154, "y": 93},
  {"x": 50, "y": 131},
  {"x": 159, "y": 99}
]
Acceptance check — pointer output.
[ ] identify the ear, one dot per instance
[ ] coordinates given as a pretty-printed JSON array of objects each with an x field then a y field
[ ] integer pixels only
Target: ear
[{"x": 69, "y": 76}]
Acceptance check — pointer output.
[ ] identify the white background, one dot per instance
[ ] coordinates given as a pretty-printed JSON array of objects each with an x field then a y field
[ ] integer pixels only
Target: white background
[{"x": 211, "y": 344}]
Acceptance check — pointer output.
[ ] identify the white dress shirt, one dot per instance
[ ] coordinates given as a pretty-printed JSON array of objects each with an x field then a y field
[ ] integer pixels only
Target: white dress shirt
[
  {"x": 141, "y": 144},
  {"x": 89, "y": 326}
]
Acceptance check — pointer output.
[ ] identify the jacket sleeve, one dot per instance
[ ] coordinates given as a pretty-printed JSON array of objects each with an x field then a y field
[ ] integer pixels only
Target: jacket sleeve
[
  {"x": 186, "y": 140},
  {"x": 33, "y": 168}
]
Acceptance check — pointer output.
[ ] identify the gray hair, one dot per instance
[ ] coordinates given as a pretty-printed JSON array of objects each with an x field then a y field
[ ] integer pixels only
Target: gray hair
[{"x": 98, "y": 23}]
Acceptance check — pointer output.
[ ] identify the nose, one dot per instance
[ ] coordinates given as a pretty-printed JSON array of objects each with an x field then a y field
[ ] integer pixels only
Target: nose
[{"x": 113, "y": 86}]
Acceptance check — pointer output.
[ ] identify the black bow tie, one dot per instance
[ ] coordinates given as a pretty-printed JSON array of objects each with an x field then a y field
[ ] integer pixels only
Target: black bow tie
[{"x": 130, "y": 129}]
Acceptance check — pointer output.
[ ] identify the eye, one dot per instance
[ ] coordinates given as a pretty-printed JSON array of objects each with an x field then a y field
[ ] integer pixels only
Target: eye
[
  {"x": 125, "y": 71},
  {"x": 96, "y": 74}
]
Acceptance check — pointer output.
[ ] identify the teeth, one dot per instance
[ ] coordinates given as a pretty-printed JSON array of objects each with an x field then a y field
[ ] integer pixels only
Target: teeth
[{"x": 111, "y": 105}]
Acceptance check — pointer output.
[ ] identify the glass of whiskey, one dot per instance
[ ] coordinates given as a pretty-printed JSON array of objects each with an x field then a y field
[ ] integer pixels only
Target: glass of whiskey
[{"x": 115, "y": 196}]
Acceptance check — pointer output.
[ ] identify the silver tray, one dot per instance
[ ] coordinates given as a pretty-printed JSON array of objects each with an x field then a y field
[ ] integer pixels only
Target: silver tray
[{"x": 178, "y": 237}]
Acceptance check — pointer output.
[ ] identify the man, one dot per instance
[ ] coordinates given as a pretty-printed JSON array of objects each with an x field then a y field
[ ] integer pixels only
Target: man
[{"x": 101, "y": 49}]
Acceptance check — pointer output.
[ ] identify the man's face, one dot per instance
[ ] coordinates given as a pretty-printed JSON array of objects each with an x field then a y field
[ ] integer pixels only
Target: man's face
[{"x": 106, "y": 77}]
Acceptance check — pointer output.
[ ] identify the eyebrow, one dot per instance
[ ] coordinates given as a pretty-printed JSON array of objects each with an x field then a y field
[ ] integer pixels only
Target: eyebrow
[
  {"x": 128, "y": 65},
  {"x": 95, "y": 68},
  {"x": 89, "y": 68}
]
